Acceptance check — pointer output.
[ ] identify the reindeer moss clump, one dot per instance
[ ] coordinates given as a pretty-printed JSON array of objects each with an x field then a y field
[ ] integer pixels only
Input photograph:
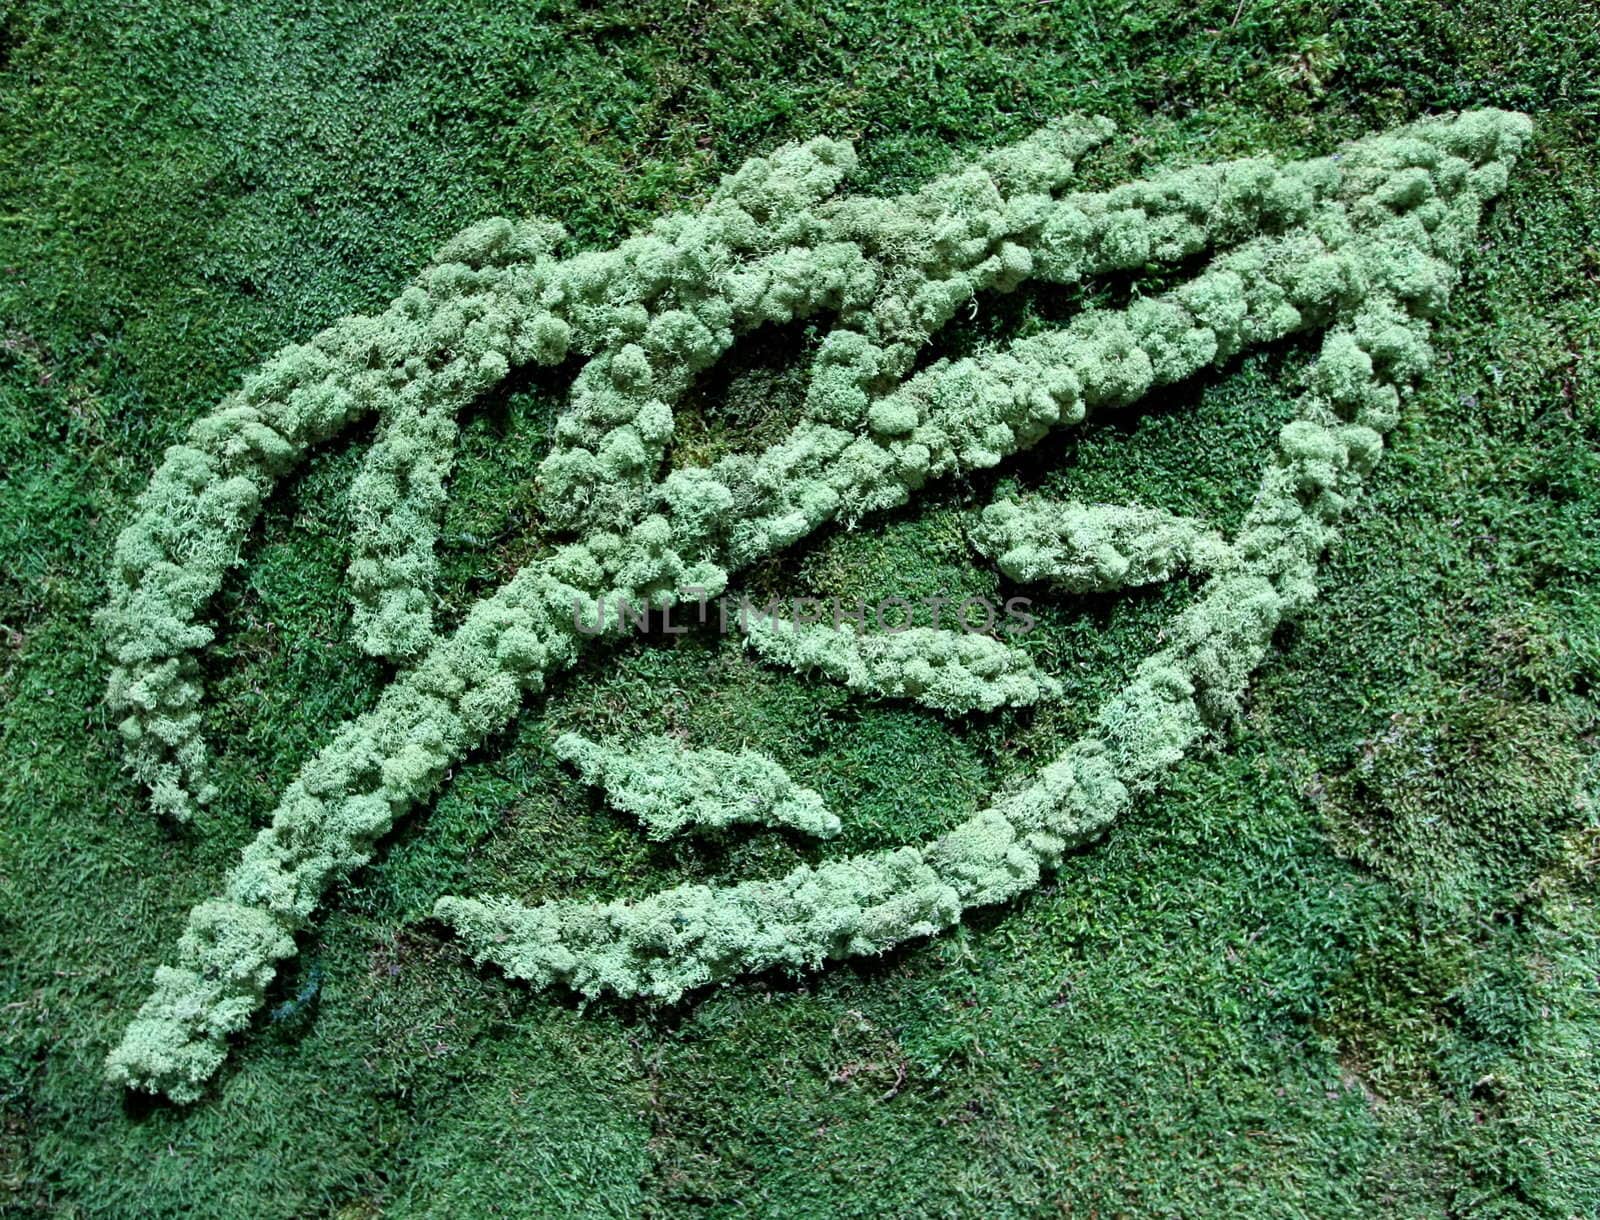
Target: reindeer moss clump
[
  {"x": 1364, "y": 245},
  {"x": 671, "y": 788},
  {"x": 950, "y": 671},
  {"x": 1098, "y": 548}
]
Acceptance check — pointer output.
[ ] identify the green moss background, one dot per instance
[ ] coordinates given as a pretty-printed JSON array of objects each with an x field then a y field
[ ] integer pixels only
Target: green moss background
[{"x": 1347, "y": 964}]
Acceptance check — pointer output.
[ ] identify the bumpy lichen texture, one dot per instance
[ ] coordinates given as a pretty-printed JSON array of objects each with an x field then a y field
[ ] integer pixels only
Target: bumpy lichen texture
[
  {"x": 950, "y": 671},
  {"x": 1095, "y": 548},
  {"x": 1365, "y": 244},
  {"x": 671, "y": 788}
]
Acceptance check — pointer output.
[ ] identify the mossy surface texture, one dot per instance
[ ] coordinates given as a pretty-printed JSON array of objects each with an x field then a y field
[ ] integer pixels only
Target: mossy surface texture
[{"x": 1345, "y": 962}]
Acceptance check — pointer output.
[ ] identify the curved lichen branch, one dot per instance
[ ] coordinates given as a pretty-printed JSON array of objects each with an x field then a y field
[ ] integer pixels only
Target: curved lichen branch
[
  {"x": 1095, "y": 548},
  {"x": 1377, "y": 259},
  {"x": 671, "y": 788},
  {"x": 398, "y": 497}
]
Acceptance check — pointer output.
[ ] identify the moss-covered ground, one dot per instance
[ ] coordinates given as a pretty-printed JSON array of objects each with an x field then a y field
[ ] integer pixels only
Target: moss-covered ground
[{"x": 1348, "y": 963}]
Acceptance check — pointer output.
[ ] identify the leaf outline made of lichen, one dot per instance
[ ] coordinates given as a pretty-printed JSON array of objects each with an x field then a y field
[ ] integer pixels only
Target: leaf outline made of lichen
[{"x": 1364, "y": 244}]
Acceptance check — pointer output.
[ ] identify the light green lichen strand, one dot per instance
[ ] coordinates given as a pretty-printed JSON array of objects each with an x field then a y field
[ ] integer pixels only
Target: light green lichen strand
[
  {"x": 672, "y": 789},
  {"x": 954, "y": 672},
  {"x": 476, "y": 322},
  {"x": 1094, "y": 548}
]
